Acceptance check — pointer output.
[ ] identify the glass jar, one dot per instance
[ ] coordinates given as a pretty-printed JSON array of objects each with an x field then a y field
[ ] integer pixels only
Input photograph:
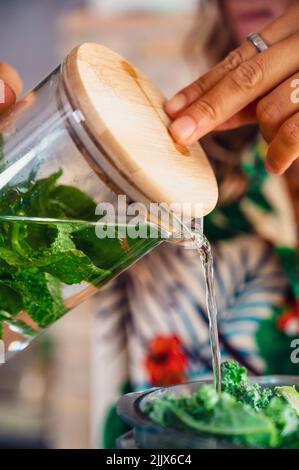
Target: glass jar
[{"x": 70, "y": 149}]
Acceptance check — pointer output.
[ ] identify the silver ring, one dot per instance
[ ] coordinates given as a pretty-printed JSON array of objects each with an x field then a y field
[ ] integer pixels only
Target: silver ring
[{"x": 258, "y": 42}]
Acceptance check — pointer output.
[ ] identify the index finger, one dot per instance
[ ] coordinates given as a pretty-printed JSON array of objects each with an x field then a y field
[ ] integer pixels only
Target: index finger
[
  {"x": 250, "y": 80},
  {"x": 281, "y": 28}
]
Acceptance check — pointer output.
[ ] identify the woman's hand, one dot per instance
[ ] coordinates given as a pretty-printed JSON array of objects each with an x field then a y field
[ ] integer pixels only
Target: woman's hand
[
  {"x": 10, "y": 84},
  {"x": 246, "y": 87}
]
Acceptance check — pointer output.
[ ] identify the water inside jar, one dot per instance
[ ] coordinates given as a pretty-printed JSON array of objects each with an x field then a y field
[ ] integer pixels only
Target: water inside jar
[{"x": 49, "y": 265}]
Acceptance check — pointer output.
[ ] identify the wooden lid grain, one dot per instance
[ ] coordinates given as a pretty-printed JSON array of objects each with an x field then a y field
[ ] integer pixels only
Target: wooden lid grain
[{"x": 124, "y": 112}]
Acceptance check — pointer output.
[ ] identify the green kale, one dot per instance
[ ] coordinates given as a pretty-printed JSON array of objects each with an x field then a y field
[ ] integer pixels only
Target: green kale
[
  {"x": 206, "y": 412},
  {"x": 283, "y": 416},
  {"x": 291, "y": 395},
  {"x": 292, "y": 440},
  {"x": 243, "y": 413},
  {"x": 237, "y": 384}
]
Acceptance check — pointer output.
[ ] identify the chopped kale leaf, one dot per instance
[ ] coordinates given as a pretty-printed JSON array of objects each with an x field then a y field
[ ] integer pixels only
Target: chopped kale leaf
[{"x": 244, "y": 413}]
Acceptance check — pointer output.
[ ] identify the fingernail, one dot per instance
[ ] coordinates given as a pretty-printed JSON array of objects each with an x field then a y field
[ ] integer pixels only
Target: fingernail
[
  {"x": 270, "y": 168},
  {"x": 7, "y": 96},
  {"x": 176, "y": 103},
  {"x": 183, "y": 127}
]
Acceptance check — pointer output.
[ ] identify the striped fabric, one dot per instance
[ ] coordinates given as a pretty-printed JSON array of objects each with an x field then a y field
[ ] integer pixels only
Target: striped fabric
[{"x": 164, "y": 295}]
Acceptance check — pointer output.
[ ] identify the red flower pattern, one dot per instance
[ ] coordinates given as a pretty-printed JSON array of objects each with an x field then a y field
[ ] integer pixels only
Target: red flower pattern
[
  {"x": 166, "y": 361},
  {"x": 288, "y": 322}
]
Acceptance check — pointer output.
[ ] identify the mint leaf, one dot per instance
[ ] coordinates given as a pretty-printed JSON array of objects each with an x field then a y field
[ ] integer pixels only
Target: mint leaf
[
  {"x": 103, "y": 253},
  {"x": 10, "y": 299},
  {"x": 18, "y": 325},
  {"x": 73, "y": 267},
  {"x": 41, "y": 296},
  {"x": 109, "y": 252},
  {"x": 64, "y": 261},
  {"x": 73, "y": 203},
  {"x": 35, "y": 258},
  {"x": 10, "y": 257},
  {"x": 35, "y": 200}
]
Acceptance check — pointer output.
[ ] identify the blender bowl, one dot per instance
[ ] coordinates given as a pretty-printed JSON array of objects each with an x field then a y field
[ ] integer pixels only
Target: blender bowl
[{"x": 148, "y": 435}]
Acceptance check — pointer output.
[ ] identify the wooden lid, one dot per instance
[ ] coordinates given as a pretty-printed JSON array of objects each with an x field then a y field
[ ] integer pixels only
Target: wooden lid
[{"x": 124, "y": 112}]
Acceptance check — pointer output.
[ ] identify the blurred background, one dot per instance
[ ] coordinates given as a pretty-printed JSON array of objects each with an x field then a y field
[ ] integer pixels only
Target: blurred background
[{"x": 53, "y": 394}]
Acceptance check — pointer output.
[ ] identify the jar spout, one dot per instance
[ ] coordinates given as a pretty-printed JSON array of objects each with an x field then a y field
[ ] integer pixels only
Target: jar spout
[
  {"x": 188, "y": 234},
  {"x": 193, "y": 238}
]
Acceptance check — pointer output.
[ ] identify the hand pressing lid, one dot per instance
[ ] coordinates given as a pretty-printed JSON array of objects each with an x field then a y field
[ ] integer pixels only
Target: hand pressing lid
[{"x": 123, "y": 112}]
